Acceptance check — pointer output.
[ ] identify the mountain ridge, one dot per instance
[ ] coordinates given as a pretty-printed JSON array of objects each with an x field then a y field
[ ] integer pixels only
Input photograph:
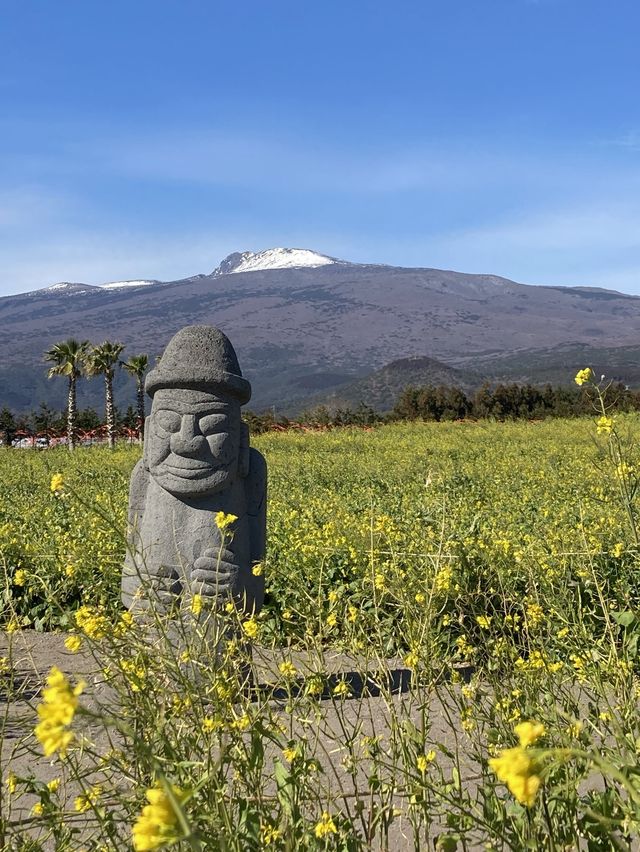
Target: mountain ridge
[{"x": 301, "y": 329}]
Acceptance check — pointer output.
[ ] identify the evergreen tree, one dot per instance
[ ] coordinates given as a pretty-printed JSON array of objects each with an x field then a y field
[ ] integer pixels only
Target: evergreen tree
[{"x": 7, "y": 426}]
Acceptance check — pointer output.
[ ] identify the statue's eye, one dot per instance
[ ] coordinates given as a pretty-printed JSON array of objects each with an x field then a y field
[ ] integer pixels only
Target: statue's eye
[
  {"x": 211, "y": 423},
  {"x": 168, "y": 421}
]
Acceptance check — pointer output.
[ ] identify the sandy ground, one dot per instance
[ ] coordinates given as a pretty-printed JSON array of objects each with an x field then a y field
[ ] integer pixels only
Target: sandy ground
[{"x": 368, "y": 710}]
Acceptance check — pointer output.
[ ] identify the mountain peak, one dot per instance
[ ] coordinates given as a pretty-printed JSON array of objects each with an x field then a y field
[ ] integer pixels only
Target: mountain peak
[
  {"x": 68, "y": 287},
  {"x": 117, "y": 285},
  {"x": 273, "y": 258}
]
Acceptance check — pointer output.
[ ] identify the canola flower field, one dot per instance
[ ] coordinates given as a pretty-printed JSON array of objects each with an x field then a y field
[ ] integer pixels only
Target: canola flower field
[{"x": 494, "y": 564}]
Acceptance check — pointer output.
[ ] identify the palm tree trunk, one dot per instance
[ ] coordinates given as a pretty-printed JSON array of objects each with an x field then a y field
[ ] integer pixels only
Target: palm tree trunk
[
  {"x": 108, "y": 405},
  {"x": 140, "y": 410},
  {"x": 71, "y": 414}
]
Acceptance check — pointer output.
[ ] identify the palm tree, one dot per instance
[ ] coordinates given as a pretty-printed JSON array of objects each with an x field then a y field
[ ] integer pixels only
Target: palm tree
[
  {"x": 69, "y": 358},
  {"x": 103, "y": 360},
  {"x": 137, "y": 366}
]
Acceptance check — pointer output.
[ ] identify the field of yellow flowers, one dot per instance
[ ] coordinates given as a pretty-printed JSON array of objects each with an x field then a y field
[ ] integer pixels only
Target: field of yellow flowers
[{"x": 492, "y": 568}]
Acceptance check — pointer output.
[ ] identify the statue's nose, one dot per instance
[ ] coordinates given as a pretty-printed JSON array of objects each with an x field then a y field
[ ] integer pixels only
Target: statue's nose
[{"x": 189, "y": 441}]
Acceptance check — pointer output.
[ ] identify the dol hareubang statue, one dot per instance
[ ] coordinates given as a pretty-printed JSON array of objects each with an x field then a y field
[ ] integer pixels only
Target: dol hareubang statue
[{"x": 196, "y": 462}]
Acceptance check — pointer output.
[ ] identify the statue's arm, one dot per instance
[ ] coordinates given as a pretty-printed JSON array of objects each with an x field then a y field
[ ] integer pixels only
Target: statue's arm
[
  {"x": 137, "y": 495},
  {"x": 256, "y": 494},
  {"x": 131, "y": 570}
]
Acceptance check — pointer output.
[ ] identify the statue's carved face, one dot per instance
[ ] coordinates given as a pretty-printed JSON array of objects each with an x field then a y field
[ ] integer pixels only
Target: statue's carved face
[{"x": 192, "y": 441}]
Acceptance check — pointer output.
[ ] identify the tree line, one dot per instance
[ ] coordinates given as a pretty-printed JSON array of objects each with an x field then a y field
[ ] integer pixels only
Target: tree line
[
  {"x": 445, "y": 402},
  {"x": 50, "y": 424},
  {"x": 75, "y": 359},
  {"x": 507, "y": 402}
]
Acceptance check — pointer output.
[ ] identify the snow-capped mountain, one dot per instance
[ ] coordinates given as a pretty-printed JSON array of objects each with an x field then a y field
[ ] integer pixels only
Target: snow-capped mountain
[
  {"x": 305, "y": 323},
  {"x": 274, "y": 258},
  {"x": 117, "y": 285},
  {"x": 75, "y": 288},
  {"x": 71, "y": 287},
  {"x": 237, "y": 262}
]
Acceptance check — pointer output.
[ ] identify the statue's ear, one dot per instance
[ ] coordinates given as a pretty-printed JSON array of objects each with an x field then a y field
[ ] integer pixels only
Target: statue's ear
[{"x": 243, "y": 457}]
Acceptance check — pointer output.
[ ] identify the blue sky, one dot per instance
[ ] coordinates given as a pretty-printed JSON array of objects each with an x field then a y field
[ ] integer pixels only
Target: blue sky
[{"x": 150, "y": 139}]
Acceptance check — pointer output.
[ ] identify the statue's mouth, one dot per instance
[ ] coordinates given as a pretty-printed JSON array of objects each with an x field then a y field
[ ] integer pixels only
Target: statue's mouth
[{"x": 189, "y": 470}]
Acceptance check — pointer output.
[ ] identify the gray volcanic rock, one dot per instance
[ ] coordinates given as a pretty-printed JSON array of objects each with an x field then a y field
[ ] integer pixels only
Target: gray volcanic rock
[
  {"x": 314, "y": 326},
  {"x": 196, "y": 463}
]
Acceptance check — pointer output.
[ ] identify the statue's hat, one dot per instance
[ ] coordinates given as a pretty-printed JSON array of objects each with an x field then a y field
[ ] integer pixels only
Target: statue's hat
[{"x": 199, "y": 357}]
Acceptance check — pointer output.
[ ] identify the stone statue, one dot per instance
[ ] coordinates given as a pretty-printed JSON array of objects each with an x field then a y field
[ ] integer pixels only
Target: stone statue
[{"x": 196, "y": 462}]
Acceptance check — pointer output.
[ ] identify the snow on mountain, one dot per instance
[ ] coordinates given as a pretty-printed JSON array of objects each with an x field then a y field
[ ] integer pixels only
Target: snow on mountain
[
  {"x": 115, "y": 285},
  {"x": 275, "y": 258},
  {"x": 63, "y": 287}
]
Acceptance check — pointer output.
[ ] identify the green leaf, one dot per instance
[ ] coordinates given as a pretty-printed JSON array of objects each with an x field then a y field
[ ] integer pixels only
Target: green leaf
[
  {"x": 447, "y": 843},
  {"x": 624, "y": 618}
]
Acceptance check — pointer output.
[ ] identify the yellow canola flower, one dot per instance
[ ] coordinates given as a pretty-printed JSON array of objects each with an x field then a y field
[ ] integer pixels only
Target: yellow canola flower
[
  {"x": 73, "y": 643},
  {"x": 57, "y": 483},
  {"x": 12, "y": 625},
  {"x": 529, "y": 732},
  {"x": 242, "y": 722},
  {"x": 517, "y": 769},
  {"x": 287, "y": 669},
  {"x": 584, "y": 376},
  {"x": 341, "y": 689},
  {"x": 20, "y": 577},
  {"x": 424, "y": 760},
  {"x": 325, "y": 826},
  {"x": 196, "y": 604},
  {"x": 604, "y": 425},
  {"x": 56, "y": 712},
  {"x": 92, "y": 622},
  {"x": 290, "y": 754},
  {"x": 157, "y": 824},
  {"x": 11, "y": 782},
  {"x": 87, "y": 800},
  {"x": 224, "y": 520},
  {"x": 270, "y": 834},
  {"x": 52, "y": 786},
  {"x": 250, "y": 627},
  {"x": 412, "y": 659}
]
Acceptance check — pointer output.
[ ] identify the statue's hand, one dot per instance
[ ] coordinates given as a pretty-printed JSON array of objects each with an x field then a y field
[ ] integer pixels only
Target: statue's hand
[
  {"x": 214, "y": 573},
  {"x": 152, "y": 590}
]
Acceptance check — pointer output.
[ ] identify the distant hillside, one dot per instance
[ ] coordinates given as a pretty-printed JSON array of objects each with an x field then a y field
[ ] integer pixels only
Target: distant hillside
[
  {"x": 559, "y": 364},
  {"x": 304, "y": 323},
  {"x": 556, "y": 366},
  {"x": 381, "y": 388}
]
